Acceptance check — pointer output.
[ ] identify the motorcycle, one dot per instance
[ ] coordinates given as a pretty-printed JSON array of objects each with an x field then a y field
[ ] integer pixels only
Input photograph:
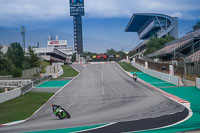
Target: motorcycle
[
  {"x": 60, "y": 112},
  {"x": 135, "y": 77}
]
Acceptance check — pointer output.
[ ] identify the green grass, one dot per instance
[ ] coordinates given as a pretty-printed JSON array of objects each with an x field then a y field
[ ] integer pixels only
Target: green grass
[
  {"x": 43, "y": 65},
  {"x": 128, "y": 67},
  {"x": 22, "y": 107},
  {"x": 68, "y": 72}
]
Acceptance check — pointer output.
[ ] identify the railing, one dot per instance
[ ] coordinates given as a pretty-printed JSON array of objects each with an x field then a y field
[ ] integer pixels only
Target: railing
[
  {"x": 139, "y": 61},
  {"x": 162, "y": 33},
  {"x": 147, "y": 29},
  {"x": 6, "y": 76},
  {"x": 17, "y": 83}
]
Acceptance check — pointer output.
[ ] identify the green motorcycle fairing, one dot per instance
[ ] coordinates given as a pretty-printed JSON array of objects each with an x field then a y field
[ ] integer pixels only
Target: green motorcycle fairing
[{"x": 60, "y": 111}]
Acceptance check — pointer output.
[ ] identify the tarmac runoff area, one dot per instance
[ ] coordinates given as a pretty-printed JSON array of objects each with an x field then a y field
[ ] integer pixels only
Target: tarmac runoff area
[{"x": 103, "y": 93}]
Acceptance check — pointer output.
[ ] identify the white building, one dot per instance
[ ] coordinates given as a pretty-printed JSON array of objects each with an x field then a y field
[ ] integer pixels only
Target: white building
[{"x": 56, "y": 51}]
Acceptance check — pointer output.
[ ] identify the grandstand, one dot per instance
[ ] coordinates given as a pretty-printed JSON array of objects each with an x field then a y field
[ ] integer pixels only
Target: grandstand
[
  {"x": 150, "y": 24},
  {"x": 187, "y": 46},
  {"x": 53, "y": 55},
  {"x": 56, "y": 51},
  {"x": 194, "y": 57}
]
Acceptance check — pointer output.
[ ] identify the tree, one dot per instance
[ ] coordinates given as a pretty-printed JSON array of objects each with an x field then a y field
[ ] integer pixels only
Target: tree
[
  {"x": 131, "y": 53},
  {"x": 16, "y": 54},
  {"x": 33, "y": 58},
  {"x": 196, "y": 26},
  {"x": 111, "y": 51},
  {"x": 155, "y": 44},
  {"x": 6, "y": 65},
  {"x": 121, "y": 54},
  {"x": 1, "y": 60}
]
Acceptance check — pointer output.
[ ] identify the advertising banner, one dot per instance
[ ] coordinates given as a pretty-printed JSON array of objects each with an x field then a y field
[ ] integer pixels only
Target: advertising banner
[{"x": 76, "y": 3}]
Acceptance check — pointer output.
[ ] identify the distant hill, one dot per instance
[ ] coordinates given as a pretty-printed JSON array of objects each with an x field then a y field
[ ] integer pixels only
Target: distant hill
[{"x": 9, "y": 35}]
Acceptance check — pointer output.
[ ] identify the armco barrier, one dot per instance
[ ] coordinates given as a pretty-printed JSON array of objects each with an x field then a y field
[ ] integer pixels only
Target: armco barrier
[
  {"x": 10, "y": 95},
  {"x": 163, "y": 76},
  {"x": 198, "y": 83},
  {"x": 40, "y": 80}
]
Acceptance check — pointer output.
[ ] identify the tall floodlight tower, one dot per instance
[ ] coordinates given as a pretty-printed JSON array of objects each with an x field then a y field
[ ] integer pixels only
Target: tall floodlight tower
[
  {"x": 23, "y": 30},
  {"x": 77, "y": 11}
]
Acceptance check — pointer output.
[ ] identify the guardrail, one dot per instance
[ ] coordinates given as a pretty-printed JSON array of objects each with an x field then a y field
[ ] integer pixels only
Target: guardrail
[
  {"x": 28, "y": 87},
  {"x": 198, "y": 82},
  {"x": 10, "y": 95},
  {"x": 20, "y": 90},
  {"x": 166, "y": 77},
  {"x": 17, "y": 83},
  {"x": 6, "y": 76}
]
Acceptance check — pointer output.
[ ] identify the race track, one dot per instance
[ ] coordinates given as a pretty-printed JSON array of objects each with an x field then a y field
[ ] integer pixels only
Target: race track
[{"x": 103, "y": 93}]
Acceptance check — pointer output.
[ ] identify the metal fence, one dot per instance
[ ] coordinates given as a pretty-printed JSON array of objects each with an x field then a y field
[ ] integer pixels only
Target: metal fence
[
  {"x": 190, "y": 72},
  {"x": 40, "y": 80},
  {"x": 28, "y": 87},
  {"x": 140, "y": 62},
  {"x": 179, "y": 71},
  {"x": 17, "y": 83},
  {"x": 6, "y": 76},
  {"x": 160, "y": 67},
  {"x": 193, "y": 69}
]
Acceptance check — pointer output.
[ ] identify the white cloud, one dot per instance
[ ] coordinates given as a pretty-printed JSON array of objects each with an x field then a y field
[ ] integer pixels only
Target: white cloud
[{"x": 12, "y": 10}]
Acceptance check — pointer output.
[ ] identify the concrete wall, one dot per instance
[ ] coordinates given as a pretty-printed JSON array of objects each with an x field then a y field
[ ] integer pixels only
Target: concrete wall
[
  {"x": 198, "y": 83},
  {"x": 54, "y": 70},
  {"x": 166, "y": 77},
  {"x": 30, "y": 72},
  {"x": 10, "y": 95}
]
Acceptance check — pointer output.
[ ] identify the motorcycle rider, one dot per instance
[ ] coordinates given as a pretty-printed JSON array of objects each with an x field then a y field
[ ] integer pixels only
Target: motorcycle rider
[
  {"x": 55, "y": 107},
  {"x": 135, "y": 76}
]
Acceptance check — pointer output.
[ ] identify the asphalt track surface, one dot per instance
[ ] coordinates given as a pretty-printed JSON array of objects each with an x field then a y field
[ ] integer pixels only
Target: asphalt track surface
[{"x": 103, "y": 93}]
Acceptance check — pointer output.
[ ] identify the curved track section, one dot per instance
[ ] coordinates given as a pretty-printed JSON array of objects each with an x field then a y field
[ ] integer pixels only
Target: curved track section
[{"x": 103, "y": 93}]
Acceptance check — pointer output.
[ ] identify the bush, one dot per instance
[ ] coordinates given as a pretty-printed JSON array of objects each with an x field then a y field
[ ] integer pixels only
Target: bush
[
  {"x": 43, "y": 65},
  {"x": 17, "y": 72}
]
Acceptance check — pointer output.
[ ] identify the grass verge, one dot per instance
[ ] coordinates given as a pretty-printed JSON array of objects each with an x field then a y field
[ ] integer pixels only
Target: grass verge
[
  {"x": 68, "y": 72},
  {"x": 22, "y": 107},
  {"x": 43, "y": 65},
  {"x": 128, "y": 67}
]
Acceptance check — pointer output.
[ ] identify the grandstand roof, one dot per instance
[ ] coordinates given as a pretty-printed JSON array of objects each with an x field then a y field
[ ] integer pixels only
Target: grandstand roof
[{"x": 139, "y": 19}]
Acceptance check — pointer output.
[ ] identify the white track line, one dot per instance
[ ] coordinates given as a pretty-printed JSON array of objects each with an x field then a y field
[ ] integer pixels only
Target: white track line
[
  {"x": 188, "y": 117},
  {"x": 188, "y": 107},
  {"x": 57, "y": 92},
  {"x": 94, "y": 128},
  {"x": 22, "y": 121},
  {"x": 102, "y": 87}
]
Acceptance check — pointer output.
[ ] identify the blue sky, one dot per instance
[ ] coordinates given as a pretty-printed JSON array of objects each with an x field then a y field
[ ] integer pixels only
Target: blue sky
[{"x": 105, "y": 19}]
